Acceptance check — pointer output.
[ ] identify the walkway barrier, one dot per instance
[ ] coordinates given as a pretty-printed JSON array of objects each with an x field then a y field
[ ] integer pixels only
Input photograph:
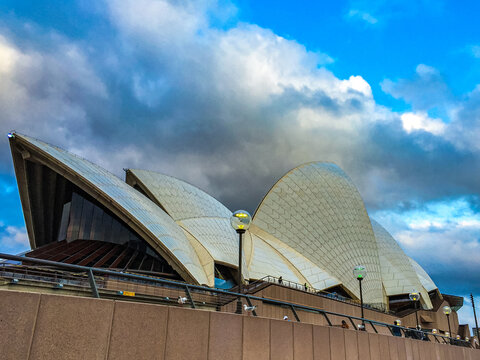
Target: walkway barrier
[
  {"x": 330, "y": 295},
  {"x": 111, "y": 284}
]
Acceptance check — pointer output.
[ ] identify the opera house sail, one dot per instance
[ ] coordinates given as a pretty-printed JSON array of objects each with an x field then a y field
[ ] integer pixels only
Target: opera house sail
[{"x": 311, "y": 228}]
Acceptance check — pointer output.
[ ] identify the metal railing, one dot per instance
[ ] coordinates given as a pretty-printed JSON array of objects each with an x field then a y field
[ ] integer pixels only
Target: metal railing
[
  {"x": 108, "y": 283},
  {"x": 331, "y": 295}
]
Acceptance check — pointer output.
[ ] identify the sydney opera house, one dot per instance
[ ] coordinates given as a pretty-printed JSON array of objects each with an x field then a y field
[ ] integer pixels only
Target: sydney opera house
[
  {"x": 311, "y": 228},
  {"x": 148, "y": 267}
]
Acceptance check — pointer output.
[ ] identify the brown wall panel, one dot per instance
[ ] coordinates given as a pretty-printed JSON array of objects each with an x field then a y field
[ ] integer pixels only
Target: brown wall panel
[
  {"x": 321, "y": 343},
  {"x": 428, "y": 349},
  {"x": 409, "y": 349},
  {"x": 225, "y": 337},
  {"x": 302, "y": 341},
  {"x": 17, "y": 321},
  {"x": 401, "y": 350},
  {"x": 187, "y": 334},
  {"x": 393, "y": 348},
  {"x": 439, "y": 352},
  {"x": 363, "y": 345},
  {"x": 351, "y": 344},
  {"x": 384, "y": 347},
  {"x": 373, "y": 340},
  {"x": 281, "y": 340},
  {"x": 134, "y": 335},
  {"x": 256, "y": 338},
  {"x": 415, "y": 351},
  {"x": 432, "y": 351},
  {"x": 337, "y": 344},
  {"x": 68, "y": 326}
]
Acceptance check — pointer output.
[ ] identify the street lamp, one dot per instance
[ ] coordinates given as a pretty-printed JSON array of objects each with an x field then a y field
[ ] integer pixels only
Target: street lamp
[
  {"x": 447, "y": 310},
  {"x": 240, "y": 221},
  {"x": 415, "y": 296},
  {"x": 360, "y": 272}
]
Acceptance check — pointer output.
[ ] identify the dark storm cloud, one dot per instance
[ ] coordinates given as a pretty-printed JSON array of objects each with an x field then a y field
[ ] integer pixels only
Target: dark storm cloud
[{"x": 159, "y": 95}]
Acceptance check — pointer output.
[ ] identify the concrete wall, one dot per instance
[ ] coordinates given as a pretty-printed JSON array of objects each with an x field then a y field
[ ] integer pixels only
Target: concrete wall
[{"x": 45, "y": 326}]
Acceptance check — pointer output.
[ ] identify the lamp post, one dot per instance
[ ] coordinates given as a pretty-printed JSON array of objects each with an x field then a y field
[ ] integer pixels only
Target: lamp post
[
  {"x": 415, "y": 296},
  {"x": 475, "y": 316},
  {"x": 240, "y": 221},
  {"x": 447, "y": 310},
  {"x": 360, "y": 272}
]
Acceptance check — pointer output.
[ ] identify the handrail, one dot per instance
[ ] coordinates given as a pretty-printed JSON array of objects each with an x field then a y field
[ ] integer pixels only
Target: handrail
[
  {"x": 291, "y": 284},
  {"x": 188, "y": 287}
]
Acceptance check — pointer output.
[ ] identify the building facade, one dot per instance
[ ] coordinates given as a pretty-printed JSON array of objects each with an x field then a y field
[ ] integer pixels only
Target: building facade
[{"x": 311, "y": 228}]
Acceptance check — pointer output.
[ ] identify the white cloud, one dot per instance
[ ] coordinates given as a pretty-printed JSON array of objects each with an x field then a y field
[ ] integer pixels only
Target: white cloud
[
  {"x": 443, "y": 236},
  {"x": 421, "y": 121},
  {"x": 13, "y": 237},
  {"x": 362, "y": 15}
]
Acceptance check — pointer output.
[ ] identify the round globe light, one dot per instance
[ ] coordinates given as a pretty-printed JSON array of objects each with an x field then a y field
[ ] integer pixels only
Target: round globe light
[
  {"x": 414, "y": 296},
  {"x": 458, "y": 337},
  {"x": 447, "y": 334},
  {"x": 434, "y": 331},
  {"x": 240, "y": 220},
  {"x": 360, "y": 272},
  {"x": 447, "y": 310}
]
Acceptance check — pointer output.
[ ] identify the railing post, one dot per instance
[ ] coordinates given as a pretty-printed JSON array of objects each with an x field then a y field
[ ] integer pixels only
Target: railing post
[
  {"x": 250, "y": 304},
  {"x": 391, "y": 330},
  {"x": 189, "y": 295},
  {"x": 93, "y": 284},
  {"x": 373, "y": 326},
  {"x": 353, "y": 324},
  {"x": 295, "y": 313},
  {"x": 326, "y": 317}
]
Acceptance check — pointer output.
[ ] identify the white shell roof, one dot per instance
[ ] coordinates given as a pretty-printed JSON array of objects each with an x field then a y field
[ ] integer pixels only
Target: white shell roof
[
  {"x": 216, "y": 235},
  {"x": 168, "y": 235},
  {"x": 398, "y": 274},
  {"x": 180, "y": 199},
  {"x": 312, "y": 226},
  {"x": 425, "y": 279},
  {"x": 204, "y": 217},
  {"x": 266, "y": 261},
  {"x": 317, "y": 210},
  {"x": 308, "y": 271}
]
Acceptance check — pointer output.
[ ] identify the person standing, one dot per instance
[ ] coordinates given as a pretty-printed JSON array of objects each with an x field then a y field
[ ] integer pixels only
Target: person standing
[{"x": 396, "y": 331}]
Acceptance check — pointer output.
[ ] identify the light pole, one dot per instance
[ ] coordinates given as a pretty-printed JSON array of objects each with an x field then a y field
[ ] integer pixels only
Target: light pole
[
  {"x": 240, "y": 221},
  {"x": 415, "y": 296},
  {"x": 447, "y": 310},
  {"x": 475, "y": 316},
  {"x": 360, "y": 272}
]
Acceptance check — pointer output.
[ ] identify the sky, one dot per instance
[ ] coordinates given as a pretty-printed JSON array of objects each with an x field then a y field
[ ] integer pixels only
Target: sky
[{"x": 231, "y": 95}]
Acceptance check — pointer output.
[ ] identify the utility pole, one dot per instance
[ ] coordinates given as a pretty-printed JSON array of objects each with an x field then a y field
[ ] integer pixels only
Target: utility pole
[{"x": 475, "y": 316}]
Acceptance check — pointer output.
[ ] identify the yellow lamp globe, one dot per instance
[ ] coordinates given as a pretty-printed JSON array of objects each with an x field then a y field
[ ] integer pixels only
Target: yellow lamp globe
[
  {"x": 240, "y": 220},
  {"x": 447, "y": 310},
  {"x": 414, "y": 296}
]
